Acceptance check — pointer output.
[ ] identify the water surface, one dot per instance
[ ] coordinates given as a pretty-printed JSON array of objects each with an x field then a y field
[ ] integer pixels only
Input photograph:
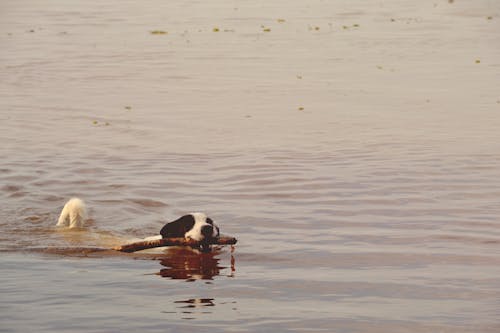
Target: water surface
[{"x": 351, "y": 147}]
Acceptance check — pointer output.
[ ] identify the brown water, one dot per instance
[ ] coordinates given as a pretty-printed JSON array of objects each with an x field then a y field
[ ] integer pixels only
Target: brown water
[{"x": 353, "y": 148}]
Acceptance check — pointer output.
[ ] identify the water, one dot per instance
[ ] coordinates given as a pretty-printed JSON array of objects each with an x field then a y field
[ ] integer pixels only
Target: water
[{"x": 351, "y": 147}]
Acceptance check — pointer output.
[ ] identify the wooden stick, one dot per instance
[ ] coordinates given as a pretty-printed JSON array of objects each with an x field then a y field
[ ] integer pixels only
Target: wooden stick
[{"x": 173, "y": 242}]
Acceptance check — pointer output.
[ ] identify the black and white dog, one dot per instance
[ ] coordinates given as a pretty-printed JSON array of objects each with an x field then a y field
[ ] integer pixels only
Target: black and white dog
[{"x": 195, "y": 226}]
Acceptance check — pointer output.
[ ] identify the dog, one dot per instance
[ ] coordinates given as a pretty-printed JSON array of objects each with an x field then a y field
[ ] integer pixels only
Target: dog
[{"x": 197, "y": 226}]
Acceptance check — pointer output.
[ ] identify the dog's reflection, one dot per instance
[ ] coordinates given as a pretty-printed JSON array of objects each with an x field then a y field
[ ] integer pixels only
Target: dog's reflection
[{"x": 192, "y": 264}]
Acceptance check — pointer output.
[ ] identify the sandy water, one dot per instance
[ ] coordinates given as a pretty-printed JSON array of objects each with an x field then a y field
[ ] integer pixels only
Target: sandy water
[{"x": 351, "y": 146}]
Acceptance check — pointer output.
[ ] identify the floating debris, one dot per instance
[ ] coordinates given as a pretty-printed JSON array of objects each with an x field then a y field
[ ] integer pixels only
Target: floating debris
[
  {"x": 96, "y": 123},
  {"x": 281, "y": 20},
  {"x": 215, "y": 29},
  {"x": 128, "y": 107},
  {"x": 299, "y": 77},
  {"x": 478, "y": 61},
  {"x": 490, "y": 17},
  {"x": 266, "y": 29},
  {"x": 158, "y": 32},
  {"x": 301, "y": 108},
  {"x": 355, "y": 25}
]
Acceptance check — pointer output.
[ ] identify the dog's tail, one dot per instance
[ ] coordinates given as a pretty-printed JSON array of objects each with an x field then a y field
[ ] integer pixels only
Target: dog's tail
[{"x": 73, "y": 215}]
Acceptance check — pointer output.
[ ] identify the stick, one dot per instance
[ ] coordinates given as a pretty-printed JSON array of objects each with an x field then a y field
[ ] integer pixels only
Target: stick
[{"x": 173, "y": 242}]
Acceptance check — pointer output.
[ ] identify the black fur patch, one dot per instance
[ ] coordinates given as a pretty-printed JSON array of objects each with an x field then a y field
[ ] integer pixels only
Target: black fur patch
[
  {"x": 207, "y": 231},
  {"x": 178, "y": 227}
]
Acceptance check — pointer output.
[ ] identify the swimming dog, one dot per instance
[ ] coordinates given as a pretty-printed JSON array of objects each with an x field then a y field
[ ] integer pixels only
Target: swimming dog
[{"x": 197, "y": 226}]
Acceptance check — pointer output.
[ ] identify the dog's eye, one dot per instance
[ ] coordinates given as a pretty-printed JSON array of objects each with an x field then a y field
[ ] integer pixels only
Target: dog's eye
[{"x": 209, "y": 221}]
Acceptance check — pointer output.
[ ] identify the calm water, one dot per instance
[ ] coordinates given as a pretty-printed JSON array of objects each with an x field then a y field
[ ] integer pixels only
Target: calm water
[{"x": 352, "y": 147}]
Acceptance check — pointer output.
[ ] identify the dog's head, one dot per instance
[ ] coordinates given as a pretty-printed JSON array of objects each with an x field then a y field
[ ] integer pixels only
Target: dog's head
[
  {"x": 203, "y": 228},
  {"x": 196, "y": 226}
]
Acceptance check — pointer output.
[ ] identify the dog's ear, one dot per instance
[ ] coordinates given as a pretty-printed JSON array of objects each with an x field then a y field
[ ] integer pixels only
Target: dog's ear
[{"x": 178, "y": 227}]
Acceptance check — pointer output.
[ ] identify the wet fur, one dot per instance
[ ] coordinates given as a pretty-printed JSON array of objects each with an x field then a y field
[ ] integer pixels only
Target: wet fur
[
  {"x": 195, "y": 226},
  {"x": 73, "y": 214}
]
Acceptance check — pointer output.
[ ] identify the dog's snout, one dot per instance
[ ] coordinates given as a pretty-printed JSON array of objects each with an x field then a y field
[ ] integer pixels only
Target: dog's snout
[{"x": 207, "y": 230}]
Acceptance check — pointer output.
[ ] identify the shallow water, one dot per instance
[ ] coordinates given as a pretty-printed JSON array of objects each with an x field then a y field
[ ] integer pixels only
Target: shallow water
[{"x": 352, "y": 148}]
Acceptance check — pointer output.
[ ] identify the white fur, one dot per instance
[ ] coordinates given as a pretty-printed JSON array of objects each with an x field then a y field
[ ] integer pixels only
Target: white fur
[
  {"x": 73, "y": 215},
  {"x": 200, "y": 220}
]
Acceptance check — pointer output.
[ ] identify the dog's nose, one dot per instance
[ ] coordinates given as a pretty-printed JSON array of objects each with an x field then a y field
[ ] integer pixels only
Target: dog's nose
[{"x": 207, "y": 231}]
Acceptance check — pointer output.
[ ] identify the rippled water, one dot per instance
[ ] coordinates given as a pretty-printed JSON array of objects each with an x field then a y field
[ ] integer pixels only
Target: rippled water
[{"x": 351, "y": 147}]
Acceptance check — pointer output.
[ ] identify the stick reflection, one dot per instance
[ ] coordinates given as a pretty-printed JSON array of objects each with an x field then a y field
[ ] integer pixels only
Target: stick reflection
[{"x": 191, "y": 264}]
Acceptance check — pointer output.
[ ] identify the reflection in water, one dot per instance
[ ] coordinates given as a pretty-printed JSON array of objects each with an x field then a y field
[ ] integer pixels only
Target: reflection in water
[
  {"x": 190, "y": 308},
  {"x": 191, "y": 264},
  {"x": 195, "y": 305}
]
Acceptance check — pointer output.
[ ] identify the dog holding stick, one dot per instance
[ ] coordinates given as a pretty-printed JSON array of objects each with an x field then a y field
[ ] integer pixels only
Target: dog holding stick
[{"x": 194, "y": 226}]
